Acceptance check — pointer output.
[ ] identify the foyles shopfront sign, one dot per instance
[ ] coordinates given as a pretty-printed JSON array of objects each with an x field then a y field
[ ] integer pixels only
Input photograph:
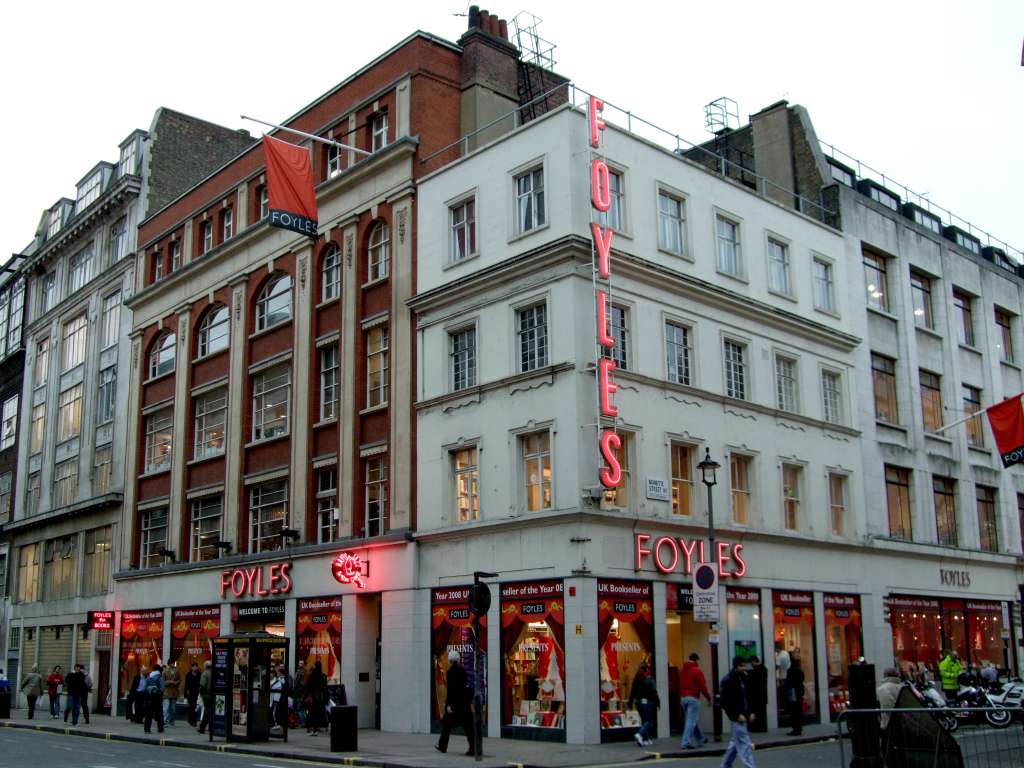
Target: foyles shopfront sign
[{"x": 677, "y": 554}]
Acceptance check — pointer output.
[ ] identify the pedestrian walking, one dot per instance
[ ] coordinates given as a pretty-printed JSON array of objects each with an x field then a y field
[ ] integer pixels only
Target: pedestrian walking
[
  {"x": 74, "y": 690},
  {"x": 316, "y": 688},
  {"x": 280, "y": 713},
  {"x": 54, "y": 687},
  {"x": 757, "y": 691},
  {"x": 32, "y": 687},
  {"x": 300, "y": 691},
  {"x": 456, "y": 705},
  {"x": 793, "y": 695},
  {"x": 172, "y": 689},
  {"x": 735, "y": 701},
  {"x": 154, "y": 693},
  {"x": 692, "y": 686},
  {"x": 643, "y": 694},
  {"x": 192, "y": 678},
  {"x": 206, "y": 693},
  {"x": 87, "y": 680}
]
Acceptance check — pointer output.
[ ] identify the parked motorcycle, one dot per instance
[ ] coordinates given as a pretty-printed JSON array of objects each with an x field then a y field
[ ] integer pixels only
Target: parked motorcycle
[
  {"x": 974, "y": 704},
  {"x": 930, "y": 698},
  {"x": 1009, "y": 695}
]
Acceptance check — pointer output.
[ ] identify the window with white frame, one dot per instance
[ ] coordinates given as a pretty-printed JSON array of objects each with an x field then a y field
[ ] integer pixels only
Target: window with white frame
[
  {"x": 96, "y": 565},
  {"x": 330, "y": 274},
  {"x": 159, "y": 440},
  {"x": 618, "y": 328},
  {"x": 841, "y": 175},
  {"x": 162, "y": 355},
  {"x": 378, "y": 131},
  {"x": 824, "y": 286},
  {"x": 153, "y": 537},
  {"x": 35, "y": 441},
  {"x": 328, "y": 382},
  {"x": 333, "y": 160},
  {"x": 327, "y": 504},
  {"x": 890, "y": 201},
  {"x": 227, "y": 224},
  {"x": 175, "y": 249},
  {"x": 379, "y": 252},
  {"x": 533, "y": 337},
  {"x": 837, "y": 503},
  {"x": 54, "y": 223},
  {"x": 677, "y": 351},
  {"x": 974, "y": 428},
  {"x": 832, "y": 397},
  {"x": 730, "y": 257},
  {"x": 740, "y": 488},
  {"x": 42, "y": 363},
  {"x": 111, "y": 319},
  {"x": 614, "y": 217},
  {"x": 264, "y": 202},
  {"x": 65, "y": 483},
  {"x": 69, "y": 413},
  {"x": 791, "y": 479},
  {"x": 376, "y": 494},
  {"x": 778, "y": 267},
  {"x": 158, "y": 266},
  {"x": 529, "y": 190},
  {"x": 876, "y": 281},
  {"x": 127, "y": 164},
  {"x": 10, "y": 422},
  {"x": 48, "y": 292},
  {"x": 5, "y": 503},
  {"x": 207, "y": 237},
  {"x": 16, "y": 311},
  {"x": 735, "y": 369},
  {"x": 80, "y": 269},
  {"x": 271, "y": 396},
  {"x": 88, "y": 192},
  {"x": 274, "y": 304},
  {"x": 377, "y": 366},
  {"x": 33, "y": 493},
  {"x": 786, "y": 389},
  {"x": 682, "y": 480},
  {"x": 106, "y": 395},
  {"x": 214, "y": 330},
  {"x": 535, "y": 454},
  {"x": 206, "y": 520},
  {"x": 74, "y": 342},
  {"x": 118, "y": 240},
  {"x": 210, "y": 423},
  {"x": 466, "y": 481},
  {"x": 618, "y": 497},
  {"x": 103, "y": 467},
  {"x": 462, "y": 219},
  {"x": 671, "y": 223},
  {"x": 462, "y": 353},
  {"x": 268, "y": 515}
]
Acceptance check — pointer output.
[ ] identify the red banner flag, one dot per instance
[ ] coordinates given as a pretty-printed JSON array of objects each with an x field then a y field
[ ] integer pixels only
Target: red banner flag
[
  {"x": 290, "y": 187},
  {"x": 1007, "y": 422}
]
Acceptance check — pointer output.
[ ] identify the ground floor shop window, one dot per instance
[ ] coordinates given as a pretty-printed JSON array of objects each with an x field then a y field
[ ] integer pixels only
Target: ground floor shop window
[
  {"x": 985, "y": 630},
  {"x": 533, "y": 654},
  {"x": 844, "y": 644},
  {"x": 142, "y": 644},
  {"x": 318, "y": 635},
  {"x": 625, "y": 638},
  {"x": 451, "y": 626},
  {"x": 684, "y": 636},
  {"x": 264, "y": 616},
  {"x": 793, "y": 614},
  {"x": 743, "y": 617},
  {"x": 192, "y": 632}
]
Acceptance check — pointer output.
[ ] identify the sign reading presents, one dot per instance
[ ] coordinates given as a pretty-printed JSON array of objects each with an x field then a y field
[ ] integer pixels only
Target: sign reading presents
[
  {"x": 259, "y": 580},
  {"x": 677, "y": 554}
]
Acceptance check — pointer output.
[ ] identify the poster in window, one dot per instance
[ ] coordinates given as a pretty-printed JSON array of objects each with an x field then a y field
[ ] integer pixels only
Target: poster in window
[
  {"x": 192, "y": 632},
  {"x": 142, "y": 644},
  {"x": 451, "y": 625},
  {"x": 533, "y": 654},
  {"x": 319, "y": 635},
  {"x": 625, "y": 636}
]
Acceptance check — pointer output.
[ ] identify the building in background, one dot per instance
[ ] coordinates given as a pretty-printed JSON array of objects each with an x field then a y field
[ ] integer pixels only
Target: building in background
[{"x": 72, "y": 423}]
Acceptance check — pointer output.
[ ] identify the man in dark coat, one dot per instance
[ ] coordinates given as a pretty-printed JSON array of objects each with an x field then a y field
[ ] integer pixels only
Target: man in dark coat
[
  {"x": 793, "y": 695},
  {"x": 757, "y": 691},
  {"x": 206, "y": 692},
  {"x": 456, "y": 705},
  {"x": 192, "y": 678},
  {"x": 74, "y": 687},
  {"x": 735, "y": 699}
]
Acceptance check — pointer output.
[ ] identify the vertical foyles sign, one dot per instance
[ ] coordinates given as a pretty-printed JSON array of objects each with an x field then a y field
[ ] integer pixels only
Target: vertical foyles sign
[{"x": 609, "y": 441}]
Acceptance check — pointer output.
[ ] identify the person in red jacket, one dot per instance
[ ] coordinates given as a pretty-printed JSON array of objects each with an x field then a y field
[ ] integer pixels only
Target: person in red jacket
[
  {"x": 692, "y": 686},
  {"x": 55, "y": 687}
]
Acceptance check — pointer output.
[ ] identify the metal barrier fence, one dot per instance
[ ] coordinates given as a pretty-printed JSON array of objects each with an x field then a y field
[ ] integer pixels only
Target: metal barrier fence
[{"x": 956, "y": 737}]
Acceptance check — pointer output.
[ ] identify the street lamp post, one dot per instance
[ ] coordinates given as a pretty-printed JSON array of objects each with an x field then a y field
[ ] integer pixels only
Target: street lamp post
[{"x": 707, "y": 469}]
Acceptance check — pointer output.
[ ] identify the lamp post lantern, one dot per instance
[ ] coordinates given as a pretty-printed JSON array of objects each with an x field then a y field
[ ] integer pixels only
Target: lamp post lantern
[{"x": 708, "y": 467}]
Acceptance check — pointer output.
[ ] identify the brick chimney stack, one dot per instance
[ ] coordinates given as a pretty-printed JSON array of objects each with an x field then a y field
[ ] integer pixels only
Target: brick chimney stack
[{"x": 490, "y": 76}]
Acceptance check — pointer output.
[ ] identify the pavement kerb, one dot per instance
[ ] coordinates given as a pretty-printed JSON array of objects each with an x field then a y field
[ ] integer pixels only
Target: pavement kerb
[{"x": 367, "y": 762}]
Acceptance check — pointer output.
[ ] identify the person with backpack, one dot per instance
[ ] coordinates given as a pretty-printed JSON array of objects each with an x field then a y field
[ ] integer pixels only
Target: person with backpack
[
  {"x": 32, "y": 686},
  {"x": 154, "y": 700},
  {"x": 644, "y": 694}
]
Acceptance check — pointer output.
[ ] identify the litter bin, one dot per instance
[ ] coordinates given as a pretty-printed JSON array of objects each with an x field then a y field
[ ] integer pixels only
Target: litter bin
[
  {"x": 5, "y": 700},
  {"x": 344, "y": 728}
]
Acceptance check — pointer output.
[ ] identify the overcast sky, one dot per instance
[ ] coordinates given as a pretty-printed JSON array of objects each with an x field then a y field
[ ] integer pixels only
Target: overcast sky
[{"x": 931, "y": 93}]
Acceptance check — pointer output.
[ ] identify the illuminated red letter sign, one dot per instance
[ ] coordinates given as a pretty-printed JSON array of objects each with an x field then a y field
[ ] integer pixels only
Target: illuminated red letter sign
[
  {"x": 348, "y": 569},
  {"x": 669, "y": 555},
  {"x": 251, "y": 582}
]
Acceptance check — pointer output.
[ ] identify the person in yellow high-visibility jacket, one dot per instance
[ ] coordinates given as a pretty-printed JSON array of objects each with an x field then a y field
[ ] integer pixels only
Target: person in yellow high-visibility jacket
[{"x": 949, "y": 670}]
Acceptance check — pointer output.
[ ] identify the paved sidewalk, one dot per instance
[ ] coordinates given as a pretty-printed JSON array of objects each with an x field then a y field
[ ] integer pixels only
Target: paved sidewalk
[{"x": 406, "y": 750}]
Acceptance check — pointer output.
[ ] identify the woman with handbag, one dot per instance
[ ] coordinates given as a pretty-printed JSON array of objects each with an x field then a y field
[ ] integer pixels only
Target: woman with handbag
[{"x": 793, "y": 695}]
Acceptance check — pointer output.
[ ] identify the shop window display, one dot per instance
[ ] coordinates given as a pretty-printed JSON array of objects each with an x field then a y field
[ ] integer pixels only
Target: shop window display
[
  {"x": 743, "y": 618},
  {"x": 533, "y": 655},
  {"x": 318, "y": 635},
  {"x": 625, "y": 636},
  {"x": 451, "y": 624},
  {"x": 684, "y": 636},
  {"x": 142, "y": 643},
  {"x": 984, "y": 633},
  {"x": 192, "y": 630},
  {"x": 793, "y": 614},
  {"x": 844, "y": 644}
]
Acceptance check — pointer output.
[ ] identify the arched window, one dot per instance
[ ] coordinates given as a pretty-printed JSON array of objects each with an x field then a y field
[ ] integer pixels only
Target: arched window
[
  {"x": 213, "y": 331},
  {"x": 275, "y": 302},
  {"x": 379, "y": 252},
  {"x": 330, "y": 270},
  {"x": 161, "y": 356}
]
